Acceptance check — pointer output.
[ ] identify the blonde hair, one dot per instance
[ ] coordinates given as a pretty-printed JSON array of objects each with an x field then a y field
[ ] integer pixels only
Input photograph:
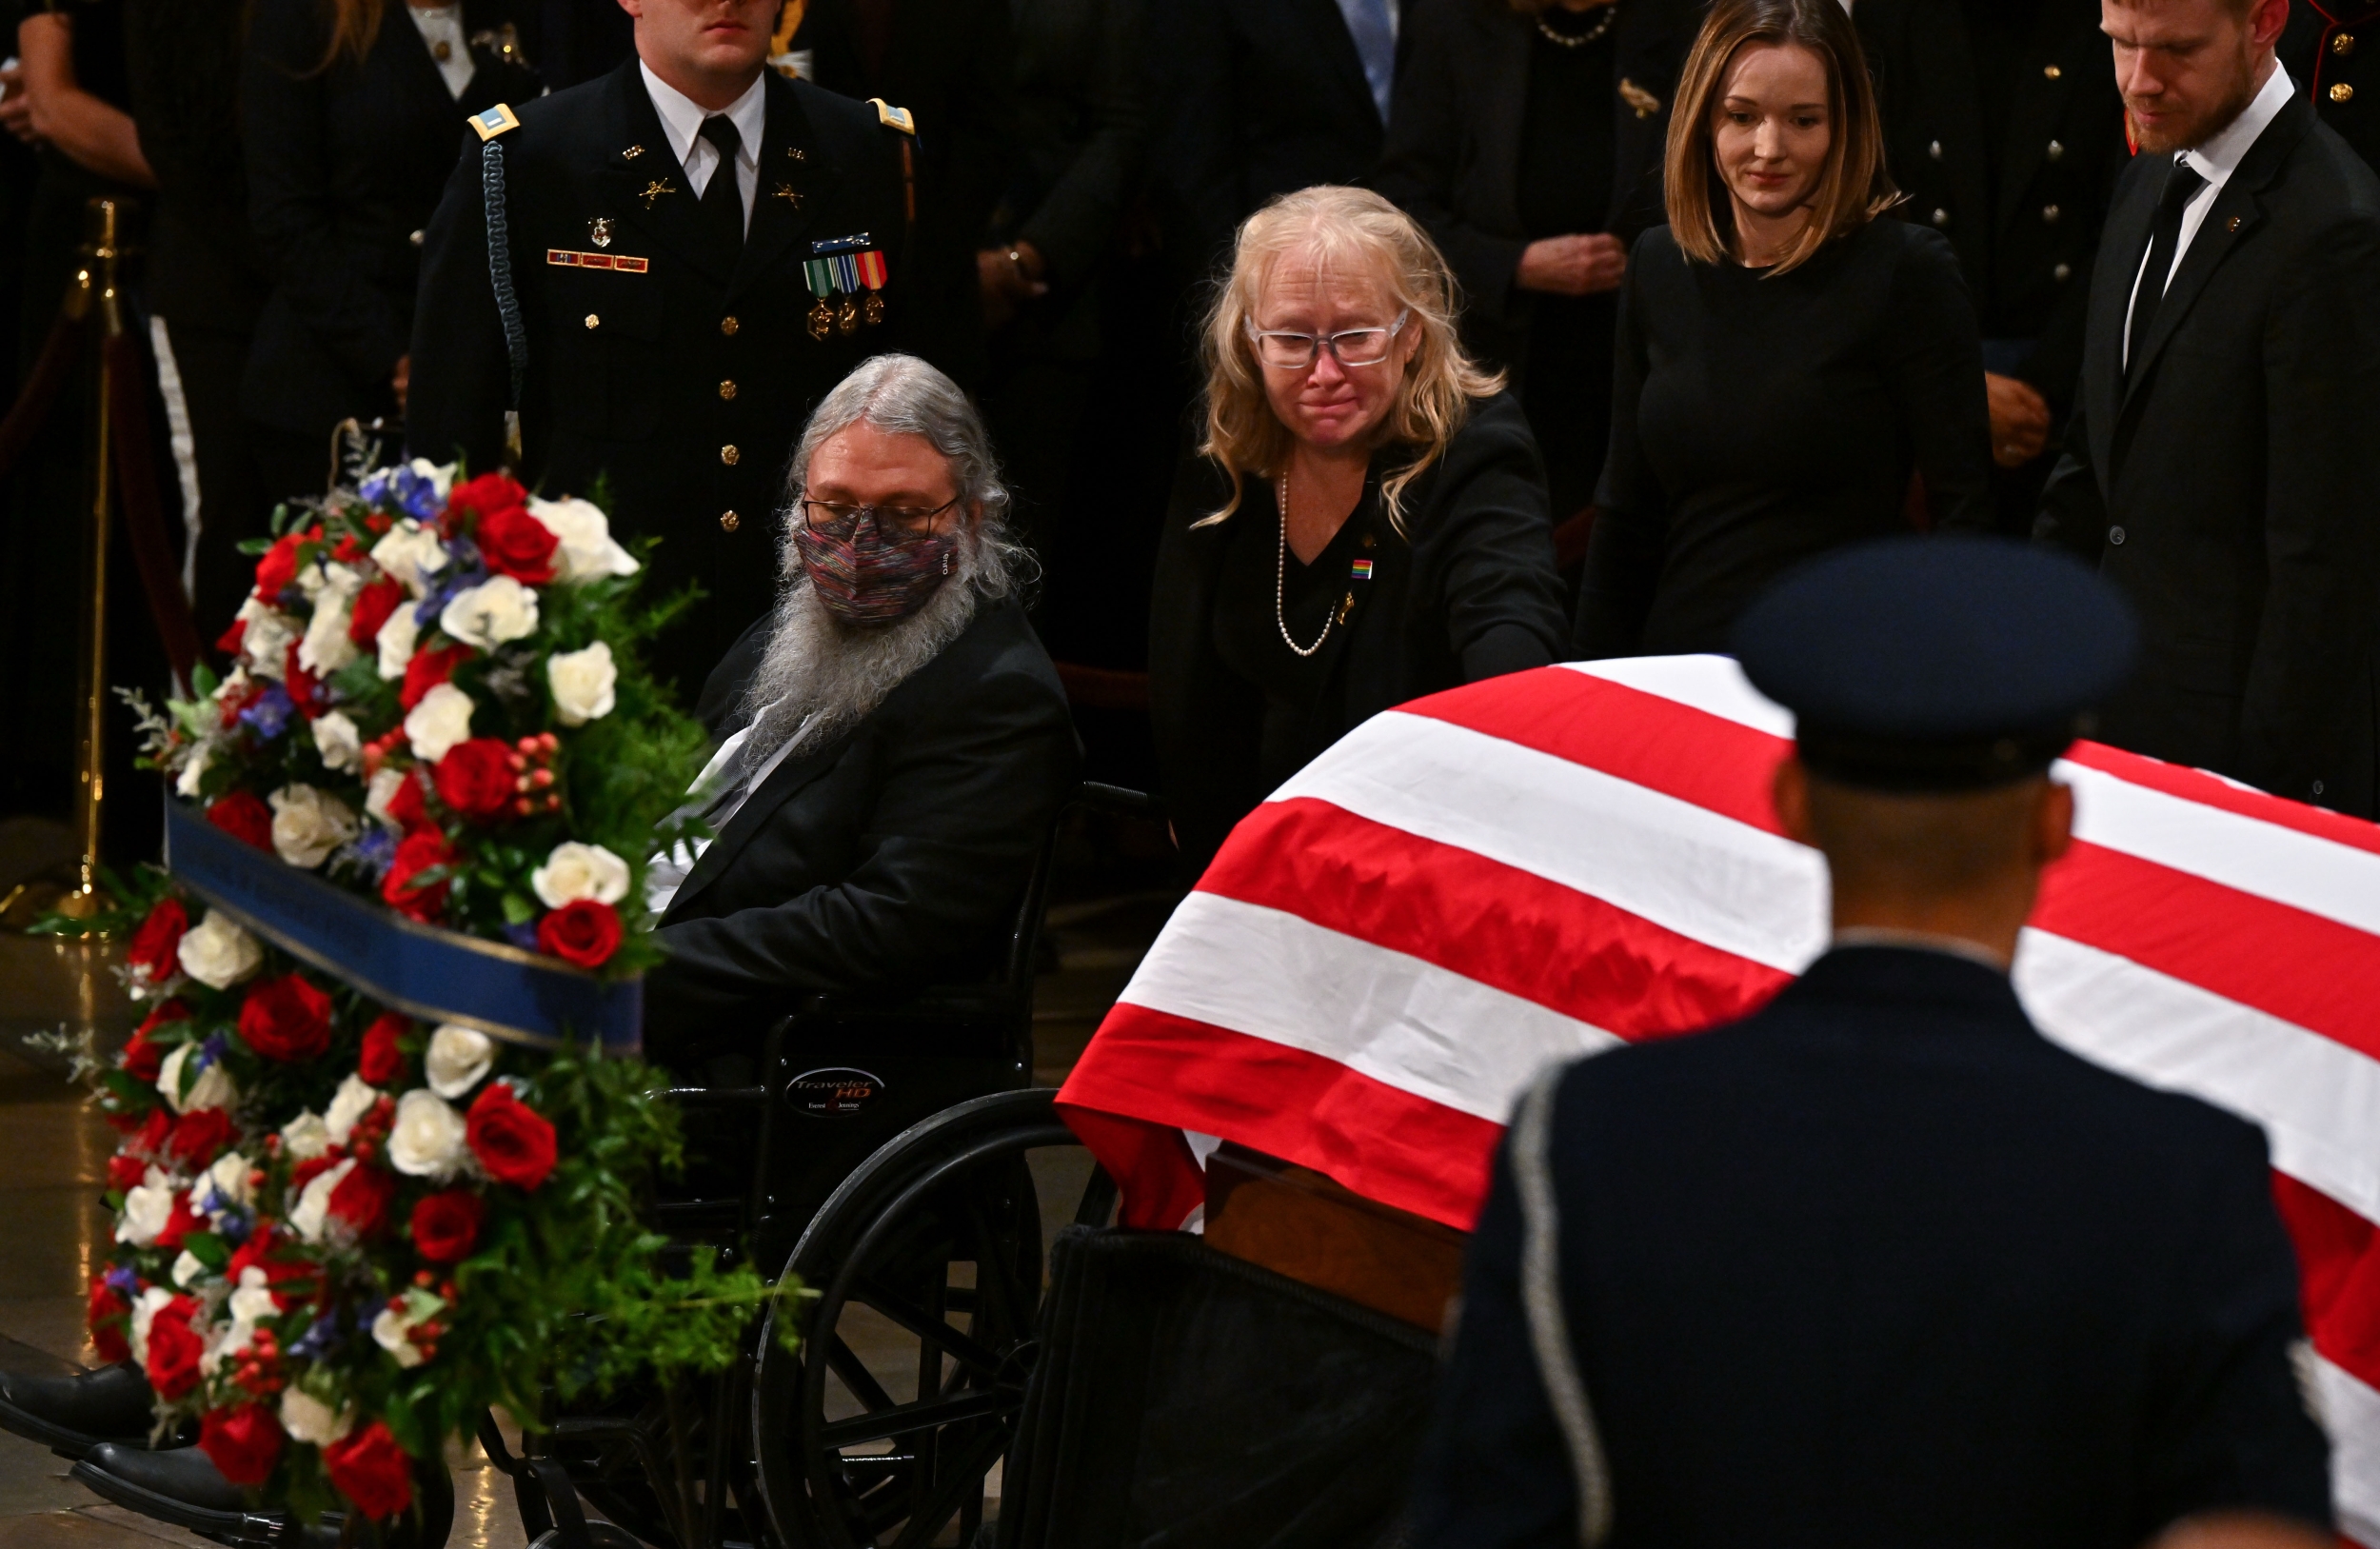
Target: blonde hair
[
  {"x": 1854, "y": 188},
  {"x": 1244, "y": 434}
]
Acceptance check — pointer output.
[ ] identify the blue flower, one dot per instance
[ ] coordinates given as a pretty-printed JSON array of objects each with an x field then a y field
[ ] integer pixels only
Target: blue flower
[
  {"x": 212, "y": 1050},
  {"x": 523, "y": 935},
  {"x": 374, "y": 490},
  {"x": 372, "y": 850},
  {"x": 418, "y": 495},
  {"x": 321, "y": 1337},
  {"x": 269, "y": 716},
  {"x": 234, "y": 1227},
  {"x": 123, "y": 1282},
  {"x": 465, "y": 573}
]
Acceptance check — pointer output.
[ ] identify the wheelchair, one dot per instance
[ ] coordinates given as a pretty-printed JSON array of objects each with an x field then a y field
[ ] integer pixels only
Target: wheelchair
[{"x": 903, "y": 1167}]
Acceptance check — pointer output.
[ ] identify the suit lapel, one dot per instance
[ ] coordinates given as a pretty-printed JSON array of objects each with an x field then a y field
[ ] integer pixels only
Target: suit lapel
[
  {"x": 2121, "y": 248},
  {"x": 797, "y": 183},
  {"x": 644, "y": 180},
  {"x": 410, "y": 54},
  {"x": 787, "y": 780}
]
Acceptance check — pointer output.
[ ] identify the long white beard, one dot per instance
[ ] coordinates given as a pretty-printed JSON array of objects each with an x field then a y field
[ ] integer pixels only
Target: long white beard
[{"x": 820, "y": 675}]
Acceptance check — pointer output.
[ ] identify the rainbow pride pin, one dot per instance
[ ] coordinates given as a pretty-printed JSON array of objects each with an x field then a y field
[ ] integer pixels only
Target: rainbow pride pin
[{"x": 1361, "y": 571}]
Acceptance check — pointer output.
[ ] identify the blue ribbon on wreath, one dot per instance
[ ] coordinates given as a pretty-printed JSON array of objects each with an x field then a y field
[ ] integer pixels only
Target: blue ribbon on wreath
[{"x": 421, "y": 970}]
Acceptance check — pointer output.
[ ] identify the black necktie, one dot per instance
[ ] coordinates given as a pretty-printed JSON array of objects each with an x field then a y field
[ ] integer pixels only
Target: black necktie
[
  {"x": 722, "y": 196},
  {"x": 2165, "y": 235}
]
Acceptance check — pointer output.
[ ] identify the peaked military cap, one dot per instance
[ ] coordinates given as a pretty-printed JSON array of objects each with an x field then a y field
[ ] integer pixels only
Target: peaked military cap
[{"x": 1937, "y": 664}]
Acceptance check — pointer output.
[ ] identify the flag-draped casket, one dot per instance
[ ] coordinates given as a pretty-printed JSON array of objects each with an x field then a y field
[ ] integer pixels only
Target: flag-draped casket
[{"x": 1548, "y": 865}]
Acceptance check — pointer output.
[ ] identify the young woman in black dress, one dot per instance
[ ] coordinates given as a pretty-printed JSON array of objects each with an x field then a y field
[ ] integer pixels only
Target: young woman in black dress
[{"x": 1785, "y": 360}]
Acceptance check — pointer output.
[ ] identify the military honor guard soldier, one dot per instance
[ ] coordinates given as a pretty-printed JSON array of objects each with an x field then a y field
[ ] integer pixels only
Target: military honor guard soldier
[
  {"x": 2003, "y": 126},
  {"x": 1879, "y": 1264},
  {"x": 694, "y": 249}
]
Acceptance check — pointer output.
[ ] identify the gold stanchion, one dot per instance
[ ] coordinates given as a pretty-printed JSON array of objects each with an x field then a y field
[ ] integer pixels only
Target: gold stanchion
[{"x": 94, "y": 283}]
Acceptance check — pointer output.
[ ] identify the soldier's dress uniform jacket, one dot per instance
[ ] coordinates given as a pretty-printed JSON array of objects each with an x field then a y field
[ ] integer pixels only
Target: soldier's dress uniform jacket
[
  {"x": 2327, "y": 47},
  {"x": 1880, "y": 1265},
  {"x": 678, "y": 373}
]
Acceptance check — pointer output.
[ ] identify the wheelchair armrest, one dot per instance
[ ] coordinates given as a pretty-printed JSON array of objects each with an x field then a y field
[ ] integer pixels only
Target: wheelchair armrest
[{"x": 1121, "y": 802}]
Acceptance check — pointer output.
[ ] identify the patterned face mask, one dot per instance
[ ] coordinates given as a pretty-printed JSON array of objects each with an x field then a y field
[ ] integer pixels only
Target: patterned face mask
[{"x": 871, "y": 576}]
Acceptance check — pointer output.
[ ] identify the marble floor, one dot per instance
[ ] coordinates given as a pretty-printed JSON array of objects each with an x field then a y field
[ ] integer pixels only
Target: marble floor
[{"x": 1106, "y": 909}]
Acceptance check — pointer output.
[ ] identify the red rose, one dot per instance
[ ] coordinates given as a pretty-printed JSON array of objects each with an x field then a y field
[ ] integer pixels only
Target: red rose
[
  {"x": 173, "y": 1349},
  {"x": 244, "y": 816},
  {"x": 306, "y": 1171},
  {"x": 304, "y": 689},
  {"x": 143, "y": 1059},
  {"x": 152, "y": 1139},
  {"x": 406, "y": 806},
  {"x": 372, "y": 606},
  {"x": 125, "y": 1172},
  {"x": 201, "y": 1136},
  {"x": 581, "y": 931},
  {"x": 511, "y": 1139},
  {"x": 107, "y": 1318},
  {"x": 257, "y": 1253},
  {"x": 231, "y": 639},
  {"x": 278, "y": 569},
  {"x": 445, "y": 1225},
  {"x": 156, "y": 946},
  {"x": 381, "y": 1061},
  {"x": 243, "y": 1442},
  {"x": 475, "y": 777},
  {"x": 371, "y": 1470},
  {"x": 362, "y": 1197},
  {"x": 517, "y": 544},
  {"x": 427, "y": 670},
  {"x": 483, "y": 497},
  {"x": 180, "y": 1224},
  {"x": 417, "y": 853},
  {"x": 286, "y": 1018},
  {"x": 231, "y": 705}
]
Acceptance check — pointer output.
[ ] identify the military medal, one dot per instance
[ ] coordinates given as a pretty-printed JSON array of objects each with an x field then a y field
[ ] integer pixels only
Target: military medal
[
  {"x": 854, "y": 269},
  {"x": 872, "y": 264},
  {"x": 820, "y": 276}
]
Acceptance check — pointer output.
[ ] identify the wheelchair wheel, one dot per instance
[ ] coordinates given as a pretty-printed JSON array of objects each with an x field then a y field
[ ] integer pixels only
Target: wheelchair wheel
[{"x": 888, "y": 1426}]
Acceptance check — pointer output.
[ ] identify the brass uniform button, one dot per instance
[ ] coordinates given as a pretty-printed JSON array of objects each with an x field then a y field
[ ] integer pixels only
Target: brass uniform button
[
  {"x": 729, "y": 325},
  {"x": 2342, "y": 93},
  {"x": 417, "y": 238},
  {"x": 2055, "y": 150},
  {"x": 728, "y": 521},
  {"x": 1941, "y": 220},
  {"x": 2343, "y": 45},
  {"x": 444, "y": 51},
  {"x": 594, "y": 321},
  {"x": 727, "y": 390},
  {"x": 2052, "y": 72},
  {"x": 1934, "y": 150},
  {"x": 2049, "y": 215},
  {"x": 2062, "y": 273},
  {"x": 2231, "y": 225},
  {"x": 730, "y": 456}
]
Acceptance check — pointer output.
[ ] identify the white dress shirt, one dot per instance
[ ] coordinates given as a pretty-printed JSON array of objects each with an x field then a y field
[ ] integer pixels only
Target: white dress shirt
[
  {"x": 444, "y": 24},
  {"x": 682, "y": 120},
  {"x": 2215, "y": 161}
]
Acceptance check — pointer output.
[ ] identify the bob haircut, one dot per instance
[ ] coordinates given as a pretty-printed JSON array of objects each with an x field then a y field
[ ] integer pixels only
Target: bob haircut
[
  {"x": 1342, "y": 230},
  {"x": 1854, "y": 188}
]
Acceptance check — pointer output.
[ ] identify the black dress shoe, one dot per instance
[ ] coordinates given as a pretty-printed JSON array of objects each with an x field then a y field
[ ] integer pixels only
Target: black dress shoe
[{"x": 75, "y": 1413}]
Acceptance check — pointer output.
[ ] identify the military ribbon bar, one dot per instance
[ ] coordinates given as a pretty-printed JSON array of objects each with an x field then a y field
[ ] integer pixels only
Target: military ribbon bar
[
  {"x": 618, "y": 263},
  {"x": 820, "y": 276},
  {"x": 872, "y": 269}
]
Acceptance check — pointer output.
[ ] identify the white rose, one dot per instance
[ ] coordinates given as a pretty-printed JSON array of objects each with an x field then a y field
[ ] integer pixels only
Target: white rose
[
  {"x": 194, "y": 767},
  {"x": 147, "y": 1209},
  {"x": 441, "y": 476},
  {"x": 383, "y": 789},
  {"x": 338, "y": 740},
  {"x": 211, "y": 1088},
  {"x": 410, "y": 553},
  {"x": 441, "y": 719},
  {"x": 310, "y": 1420},
  {"x": 582, "y": 684},
  {"x": 398, "y": 635},
  {"x": 312, "y": 1214},
  {"x": 458, "y": 1060},
  {"x": 145, "y": 1311},
  {"x": 306, "y": 1136},
  {"x": 498, "y": 609},
  {"x": 327, "y": 647},
  {"x": 575, "y": 871},
  {"x": 328, "y": 579},
  {"x": 186, "y": 1269},
  {"x": 229, "y": 1178},
  {"x": 393, "y": 1334},
  {"x": 587, "y": 549},
  {"x": 352, "y": 1101},
  {"x": 308, "y": 825},
  {"x": 265, "y": 644},
  {"x": 255, "y": 1302},
  {"x": 428, "y": 1139},
  {"x": 218, "y": 954}
]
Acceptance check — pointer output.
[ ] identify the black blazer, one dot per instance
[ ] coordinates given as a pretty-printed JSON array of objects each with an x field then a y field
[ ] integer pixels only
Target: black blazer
[
  {"x": 206, "y": 270},
  {"x": 2027, "y": 249},
  {"x": 1470, "y": 593},
  {"x": 1879, "y": 1266},
  {"x": 344, "y": 167},
  {"x": 2232, "y": 487},
  {"x": 1083, "y": 125},
  {"x": 1452, "y": 156},
  {"x": 1267, "y": 97},
  {"x": 625, "y": 368},
  {"x": 891, "y": 857}
]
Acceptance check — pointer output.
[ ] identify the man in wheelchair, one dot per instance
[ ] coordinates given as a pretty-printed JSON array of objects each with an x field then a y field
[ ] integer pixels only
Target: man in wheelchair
[{"x": 894, "y": 744}]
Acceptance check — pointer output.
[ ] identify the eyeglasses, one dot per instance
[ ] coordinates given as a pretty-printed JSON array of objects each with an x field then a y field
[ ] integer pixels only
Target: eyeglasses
[
  {"x": 836, "y": 520},
  {"x": 1287, "y": 351}
]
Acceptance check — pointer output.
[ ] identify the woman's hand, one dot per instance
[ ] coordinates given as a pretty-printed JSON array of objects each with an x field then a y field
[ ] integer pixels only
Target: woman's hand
[
  {"x": 1574, "y": 265},
  {"x": 1009, "y": 277},
  {"x": 16, "y": 108},
  {"x": 2020, "y": 419},
  {"x": 91, "y": 134}
]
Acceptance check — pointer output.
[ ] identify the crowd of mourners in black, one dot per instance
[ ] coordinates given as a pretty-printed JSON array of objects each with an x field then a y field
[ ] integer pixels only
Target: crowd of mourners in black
[{"x": 1645, "y": 421}]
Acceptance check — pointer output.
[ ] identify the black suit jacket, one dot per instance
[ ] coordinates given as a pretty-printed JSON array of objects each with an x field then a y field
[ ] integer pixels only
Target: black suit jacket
[
  {"x": 889, "y": 858},
  {"x": 344, "y": 167},
  {"x": 1453, "y": 154},
  {"x": 1267, "y": 97},
  {"x": 205, "y": 269},
  {"x": 2233, "y": 483},
  {"x": 1468, "y": 592},
  {"x": 1881, "y": 1266},
  {"x": 2023, "y": 214},
  {"x": 625, "y": 370}
]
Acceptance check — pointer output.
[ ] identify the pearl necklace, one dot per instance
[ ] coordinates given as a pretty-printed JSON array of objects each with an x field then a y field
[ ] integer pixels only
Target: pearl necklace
[
  {"x": 1281, "y": 583},
  {"x": 1593, "y": 34}
]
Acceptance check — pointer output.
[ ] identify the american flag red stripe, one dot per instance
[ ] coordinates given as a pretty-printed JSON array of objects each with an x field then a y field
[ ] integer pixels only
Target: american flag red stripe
[{"x": 1545, "y": 864}]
